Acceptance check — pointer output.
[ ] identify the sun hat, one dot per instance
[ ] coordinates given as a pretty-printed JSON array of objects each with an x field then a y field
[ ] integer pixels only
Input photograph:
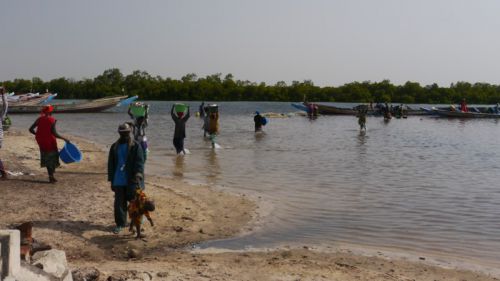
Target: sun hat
[{"x": 124, "y": 128}]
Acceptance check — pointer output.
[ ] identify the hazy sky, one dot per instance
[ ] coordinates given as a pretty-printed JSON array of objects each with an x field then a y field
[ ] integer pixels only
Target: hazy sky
[{"x": 331, "y": 42}]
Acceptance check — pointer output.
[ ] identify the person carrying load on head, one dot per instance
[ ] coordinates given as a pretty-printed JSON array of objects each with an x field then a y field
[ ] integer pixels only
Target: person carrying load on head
[
  {"x": 180, "y": 128},
  {"x": 212, "y": 127},
  {"x": 46, "y": 136},
  {"x": 139, "y": 112},
  {"x": 3, "y": 115}
]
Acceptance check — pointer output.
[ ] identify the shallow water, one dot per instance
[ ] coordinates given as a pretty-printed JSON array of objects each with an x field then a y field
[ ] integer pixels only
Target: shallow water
[{"x": 420, "y": 184}]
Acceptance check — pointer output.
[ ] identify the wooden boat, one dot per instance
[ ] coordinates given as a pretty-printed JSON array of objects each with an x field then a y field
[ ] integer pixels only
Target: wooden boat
[
  {"x": 334, "y": 110},
  {"x": 97, "y": 105},
  {"x": 459, "y": 114},
  {"x": 28, "y": 99}
]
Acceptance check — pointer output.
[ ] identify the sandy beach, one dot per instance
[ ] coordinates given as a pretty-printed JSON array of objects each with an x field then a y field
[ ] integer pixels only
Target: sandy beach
[{"x": 76, "y": 215}]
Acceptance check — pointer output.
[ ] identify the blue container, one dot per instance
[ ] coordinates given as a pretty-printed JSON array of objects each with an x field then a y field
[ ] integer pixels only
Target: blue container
[{"x": 70, "y": 154}]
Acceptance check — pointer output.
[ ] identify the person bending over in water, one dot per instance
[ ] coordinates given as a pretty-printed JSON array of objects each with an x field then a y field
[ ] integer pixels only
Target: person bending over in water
[
  {"x": 259, "y": 121},
  {"x": 180, "y": 129},
  {"x": 46, "y": 135}
]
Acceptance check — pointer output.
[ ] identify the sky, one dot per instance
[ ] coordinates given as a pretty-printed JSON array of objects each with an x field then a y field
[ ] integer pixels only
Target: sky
[{"x": 331, "y": 42}]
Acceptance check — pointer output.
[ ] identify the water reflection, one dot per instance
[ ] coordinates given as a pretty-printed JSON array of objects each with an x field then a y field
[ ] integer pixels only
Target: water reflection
[
  {"x": 179, "y": 163},
  {"x": 214, "y": 169},
  {"x": 259, "y": 136}
]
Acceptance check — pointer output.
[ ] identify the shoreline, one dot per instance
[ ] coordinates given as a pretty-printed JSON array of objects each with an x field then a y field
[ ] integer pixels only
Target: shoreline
[{"x": 75, "y": 215}]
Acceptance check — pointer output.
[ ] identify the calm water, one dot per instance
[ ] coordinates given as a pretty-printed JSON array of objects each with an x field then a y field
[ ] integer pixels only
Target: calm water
[{"x": 421, "y": 184}]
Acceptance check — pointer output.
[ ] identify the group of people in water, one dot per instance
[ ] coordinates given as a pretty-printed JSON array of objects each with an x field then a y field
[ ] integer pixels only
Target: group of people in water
[
  {"x": 399, "y": 111},
  {"x": 127, "y": 157}
]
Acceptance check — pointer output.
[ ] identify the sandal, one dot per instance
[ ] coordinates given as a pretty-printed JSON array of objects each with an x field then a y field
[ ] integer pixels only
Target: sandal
[{"x": 117, "y": 229}]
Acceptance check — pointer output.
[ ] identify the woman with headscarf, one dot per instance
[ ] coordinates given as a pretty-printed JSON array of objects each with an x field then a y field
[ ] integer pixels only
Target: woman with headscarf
[
  {"x": 3, "y": 113},
  {"x": 46, "y": 136}
]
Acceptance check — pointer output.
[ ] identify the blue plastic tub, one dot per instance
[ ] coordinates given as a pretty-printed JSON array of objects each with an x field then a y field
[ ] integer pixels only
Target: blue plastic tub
[{"x": 70, "y": 154}]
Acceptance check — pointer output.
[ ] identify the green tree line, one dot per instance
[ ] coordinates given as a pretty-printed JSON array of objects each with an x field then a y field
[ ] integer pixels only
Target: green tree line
[{"x": 217, "y": 88}]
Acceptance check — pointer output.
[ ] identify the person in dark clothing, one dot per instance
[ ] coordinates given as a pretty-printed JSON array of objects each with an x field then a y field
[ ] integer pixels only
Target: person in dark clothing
[
  {"x": 259, "y": 121},
  {"x": 180, "y": 129},
  {"x": 3, "y": 115},
  {"x": 201, "y": 110},
  {"x": 125, "y": 172},
  {"x": 362, "y": 111}
]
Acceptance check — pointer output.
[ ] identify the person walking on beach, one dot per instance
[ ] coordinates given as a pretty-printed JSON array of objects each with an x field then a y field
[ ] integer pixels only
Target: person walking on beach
[
  {"x": 3, "y": 114},
  {"x": 259, "y": 121},
  {"x": 139, "y": 127},
  {"x": 125, "y": 172},
  {"x": 180, "y": 129},
  {"x": 46, "y": 136}
]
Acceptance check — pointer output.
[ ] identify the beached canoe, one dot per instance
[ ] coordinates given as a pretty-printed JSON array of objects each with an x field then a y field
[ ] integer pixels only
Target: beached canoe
[
  {"x": 97, "y": 105},
  {"x": 28, "y": 99}
]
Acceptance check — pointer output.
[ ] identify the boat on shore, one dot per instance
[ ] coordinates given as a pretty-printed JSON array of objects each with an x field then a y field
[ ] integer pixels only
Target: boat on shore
[
  {"x": 92, "y": 106},
  {"x": 29, "y": 99}
]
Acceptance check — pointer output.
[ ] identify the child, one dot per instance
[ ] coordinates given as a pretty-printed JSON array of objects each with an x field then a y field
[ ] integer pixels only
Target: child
[{"x": 137, "y": 209}]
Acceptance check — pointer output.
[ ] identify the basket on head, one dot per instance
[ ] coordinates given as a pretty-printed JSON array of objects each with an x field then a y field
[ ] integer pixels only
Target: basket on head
[{"x": 138, "y": 109}]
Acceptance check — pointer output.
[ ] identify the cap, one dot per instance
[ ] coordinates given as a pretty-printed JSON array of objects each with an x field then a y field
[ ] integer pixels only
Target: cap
[
  {"x": 256, "y": 112},
  {"x": 124, "y": 128}
]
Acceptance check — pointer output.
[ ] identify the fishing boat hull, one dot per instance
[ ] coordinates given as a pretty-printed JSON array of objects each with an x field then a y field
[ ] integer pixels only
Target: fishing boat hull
[
  {"x": 465, "y": 115},
  {"x": 333, "y": 110},
  {"x": 84, "y": 107}
]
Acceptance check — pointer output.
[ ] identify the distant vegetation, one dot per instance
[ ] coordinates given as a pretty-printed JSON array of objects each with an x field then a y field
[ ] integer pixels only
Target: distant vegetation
[{"x": 217, "y": 88}]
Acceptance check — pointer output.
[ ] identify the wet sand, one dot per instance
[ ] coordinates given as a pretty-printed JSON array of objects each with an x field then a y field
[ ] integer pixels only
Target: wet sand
[{"x": 76, "y": 215}]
